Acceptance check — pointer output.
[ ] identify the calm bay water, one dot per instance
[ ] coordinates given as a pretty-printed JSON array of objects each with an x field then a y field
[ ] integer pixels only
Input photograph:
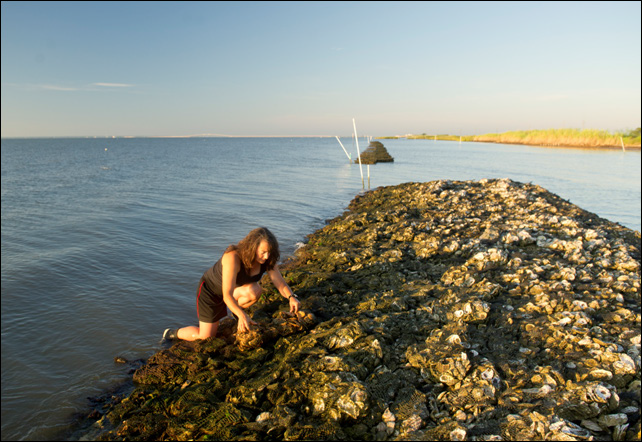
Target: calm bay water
[{"x": 104, "y": 240}]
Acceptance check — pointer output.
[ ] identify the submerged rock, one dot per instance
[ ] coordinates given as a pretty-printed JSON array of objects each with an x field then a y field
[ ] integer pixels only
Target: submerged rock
[
  {"x": 478, "y": 310},
  {"x": 375, "y": 153}
]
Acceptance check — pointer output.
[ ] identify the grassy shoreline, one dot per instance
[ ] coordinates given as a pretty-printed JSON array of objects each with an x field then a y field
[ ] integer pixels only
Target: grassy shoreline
[{"x": 585, "y": 138}]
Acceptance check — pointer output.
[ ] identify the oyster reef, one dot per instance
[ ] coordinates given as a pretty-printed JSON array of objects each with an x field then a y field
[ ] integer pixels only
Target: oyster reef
[
  {"x": 375, "y": 153},
  {"x": 477, "y": 310}
]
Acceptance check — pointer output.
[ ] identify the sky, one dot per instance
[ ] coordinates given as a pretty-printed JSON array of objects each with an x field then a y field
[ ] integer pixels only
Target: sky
[{"x": 308, "y": 68}]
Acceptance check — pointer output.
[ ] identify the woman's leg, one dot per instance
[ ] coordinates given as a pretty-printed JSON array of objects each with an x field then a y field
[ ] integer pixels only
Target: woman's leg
[
  {"x": 203, "y": 331},
  {"x": 245, "y": 296}
]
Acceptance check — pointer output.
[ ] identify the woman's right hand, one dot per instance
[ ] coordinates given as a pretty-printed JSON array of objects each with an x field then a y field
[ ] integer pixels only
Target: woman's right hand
[{"x": 244, "y": 323}]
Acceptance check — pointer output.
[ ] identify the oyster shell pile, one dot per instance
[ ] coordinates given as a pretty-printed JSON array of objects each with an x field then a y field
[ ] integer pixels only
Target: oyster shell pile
[
  {"x": 375, "y": 153},
  {"x": 477, "y": 310}
]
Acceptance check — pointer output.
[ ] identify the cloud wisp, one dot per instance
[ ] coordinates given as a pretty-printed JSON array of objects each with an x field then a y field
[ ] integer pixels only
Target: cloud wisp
[
  {"x": 92, "y": 87},
  {"x": 112, "y": 85}
]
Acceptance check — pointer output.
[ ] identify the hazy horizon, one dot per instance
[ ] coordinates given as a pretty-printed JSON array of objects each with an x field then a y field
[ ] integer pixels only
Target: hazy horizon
[
  {"x": 172, "y": 69},
  {"x": 361, "y": 136}
]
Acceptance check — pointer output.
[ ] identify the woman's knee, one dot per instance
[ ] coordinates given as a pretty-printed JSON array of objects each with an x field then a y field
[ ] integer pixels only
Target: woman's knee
[
  {"x": 248, "y": 294},
  {"x": 255, "y": 291}
]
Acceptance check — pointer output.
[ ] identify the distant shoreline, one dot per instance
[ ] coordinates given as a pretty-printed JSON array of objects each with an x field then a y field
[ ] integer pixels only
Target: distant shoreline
[
  {"x": 574, "y": 138},
  {"x": 609, "y": 147},
  {"x": 560, "y": 138},
  {"x": 466, "y": 139},
  {"x": 564, "y": 146},
  {"x": 109, "y": 137},
  {"x": 234, "y": 136}
]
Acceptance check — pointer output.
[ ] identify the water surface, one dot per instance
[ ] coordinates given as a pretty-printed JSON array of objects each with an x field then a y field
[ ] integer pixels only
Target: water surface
[{"x": 104, "y": 240}]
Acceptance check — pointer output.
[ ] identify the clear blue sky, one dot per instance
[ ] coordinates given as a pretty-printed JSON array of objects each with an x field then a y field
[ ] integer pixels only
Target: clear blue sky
[{"x": 272, "y": 68}]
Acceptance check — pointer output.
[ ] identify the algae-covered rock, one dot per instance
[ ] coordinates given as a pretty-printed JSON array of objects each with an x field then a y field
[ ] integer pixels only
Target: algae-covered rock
[
  {"x": 477, "y": 310},
  {"x": 375, "y": 153}
]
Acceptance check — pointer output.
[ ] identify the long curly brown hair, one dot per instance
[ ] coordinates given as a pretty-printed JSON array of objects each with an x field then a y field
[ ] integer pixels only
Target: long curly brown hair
[{"x": 246, "y": 248}]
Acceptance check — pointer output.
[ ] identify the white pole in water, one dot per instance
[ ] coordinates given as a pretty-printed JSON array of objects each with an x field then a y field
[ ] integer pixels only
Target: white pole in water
[
  {"x": 368, "y": 176},
  {"x": 622, "y": 141},
  {"x": 358, "y": 154},
  {"x": 344, "y": 149}
]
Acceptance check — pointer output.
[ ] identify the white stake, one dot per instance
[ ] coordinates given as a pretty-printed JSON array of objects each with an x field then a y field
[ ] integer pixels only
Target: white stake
[
  {"x": 358, "y": 154},
  {"x": 622, "y": 141},
  {"x": 344, "y": 149}
]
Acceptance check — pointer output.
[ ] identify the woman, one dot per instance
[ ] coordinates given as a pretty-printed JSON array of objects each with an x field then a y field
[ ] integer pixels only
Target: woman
[{"x": 233, "y": 283}]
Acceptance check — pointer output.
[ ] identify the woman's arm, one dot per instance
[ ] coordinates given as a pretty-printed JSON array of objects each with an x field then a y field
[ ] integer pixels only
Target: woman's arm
[
  {"x": 284, "y": 288},
  {"x": 231, "y": 266}
]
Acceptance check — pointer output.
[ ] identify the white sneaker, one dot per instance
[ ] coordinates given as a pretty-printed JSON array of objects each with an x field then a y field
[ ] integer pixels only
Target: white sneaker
[{"x": 170, "y": 334}]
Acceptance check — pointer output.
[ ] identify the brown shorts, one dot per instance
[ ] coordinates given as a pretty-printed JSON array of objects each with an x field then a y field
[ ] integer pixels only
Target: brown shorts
[{"x": 210, "y": 307}]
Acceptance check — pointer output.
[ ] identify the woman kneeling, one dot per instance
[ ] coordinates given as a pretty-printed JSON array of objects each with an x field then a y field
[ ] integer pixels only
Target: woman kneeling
[{"x": 233, "y": 283}]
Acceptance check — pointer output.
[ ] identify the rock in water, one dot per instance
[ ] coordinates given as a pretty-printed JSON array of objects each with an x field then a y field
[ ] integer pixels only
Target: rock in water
[
  {"x": 477, "y": 310},
  {"x": 375, "y": 153}
]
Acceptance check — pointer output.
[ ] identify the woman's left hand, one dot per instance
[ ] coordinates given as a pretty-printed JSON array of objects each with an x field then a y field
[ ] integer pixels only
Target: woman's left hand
[{"x": 294, "y": 305}]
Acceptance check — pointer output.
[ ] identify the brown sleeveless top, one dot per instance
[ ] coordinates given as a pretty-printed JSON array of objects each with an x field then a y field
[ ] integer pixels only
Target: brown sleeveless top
[{"x": 213, "y": 277}]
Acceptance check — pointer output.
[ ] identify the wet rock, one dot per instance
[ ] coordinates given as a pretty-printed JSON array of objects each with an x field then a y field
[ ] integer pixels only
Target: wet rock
[{"x": 477, "y": 310}]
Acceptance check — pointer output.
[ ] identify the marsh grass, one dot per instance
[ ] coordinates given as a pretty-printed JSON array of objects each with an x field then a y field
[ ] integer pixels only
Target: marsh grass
[
  {"x": 564, "y": 137},
  {"x": 549, "y": 137}
]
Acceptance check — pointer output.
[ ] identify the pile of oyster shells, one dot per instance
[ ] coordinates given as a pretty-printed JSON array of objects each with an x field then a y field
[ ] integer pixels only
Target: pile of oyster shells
[
  {"x": 375, "y": 153},
  {"x": 477, "y": 310}
]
